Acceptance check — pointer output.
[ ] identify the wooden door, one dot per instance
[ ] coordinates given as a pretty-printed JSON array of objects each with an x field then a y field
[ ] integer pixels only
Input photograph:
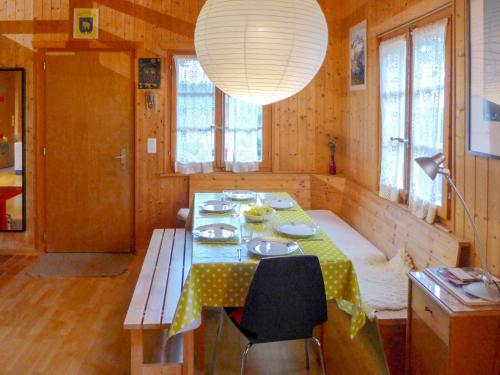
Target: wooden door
[{"x": 89, "y": 124}]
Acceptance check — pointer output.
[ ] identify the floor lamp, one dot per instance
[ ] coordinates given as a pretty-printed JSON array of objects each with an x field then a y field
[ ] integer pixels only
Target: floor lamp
[{"x": 488, "y": 289}]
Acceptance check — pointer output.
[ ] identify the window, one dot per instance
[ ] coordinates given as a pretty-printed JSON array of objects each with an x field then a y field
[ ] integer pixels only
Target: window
[
  {"x": 414, "y": 101},
  {"x": 213, "y": 131}
]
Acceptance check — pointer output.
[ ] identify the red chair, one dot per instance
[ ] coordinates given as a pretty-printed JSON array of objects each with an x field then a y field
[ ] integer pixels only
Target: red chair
[{"x": 6, "y": 193}]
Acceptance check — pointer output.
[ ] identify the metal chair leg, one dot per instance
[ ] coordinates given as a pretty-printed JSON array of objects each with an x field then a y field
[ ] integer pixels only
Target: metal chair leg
[
  {"x": 306, "y": 346},
  {"x": 318, "y": 344},
  {"x": 217, "y": 339},
  {"x": 244, "y": 358}
]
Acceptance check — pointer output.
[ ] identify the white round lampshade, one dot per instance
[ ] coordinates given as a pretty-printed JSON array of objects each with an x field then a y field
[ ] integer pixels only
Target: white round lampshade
[{"x": 261, "y": 51}]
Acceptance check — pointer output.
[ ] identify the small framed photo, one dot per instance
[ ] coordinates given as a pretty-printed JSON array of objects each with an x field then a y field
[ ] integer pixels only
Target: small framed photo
[
  {"x": 149, "y": 73},
  {"x": 484, "y": 79},
  {"x": 86, "y": 23},
  {"x": 357, "y": 56}
]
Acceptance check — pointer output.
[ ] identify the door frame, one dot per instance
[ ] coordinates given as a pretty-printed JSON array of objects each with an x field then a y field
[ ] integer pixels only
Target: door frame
[{"x": 41, "y": 127}]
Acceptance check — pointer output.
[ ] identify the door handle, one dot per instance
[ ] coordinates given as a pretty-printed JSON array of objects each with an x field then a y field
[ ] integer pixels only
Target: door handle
[
  {"x": 400, "y": 140},
  {"x": 123, "y": 159}
]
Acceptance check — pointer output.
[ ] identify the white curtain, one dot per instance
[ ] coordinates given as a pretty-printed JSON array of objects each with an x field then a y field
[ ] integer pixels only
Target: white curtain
[
  {"x": 195, "y": 117},
  {"x": 428, "y": 100},
  {"x": 393, "y": 108},
  {"x": 243, "y": 135},
  {"x": 195, "y": 124}
]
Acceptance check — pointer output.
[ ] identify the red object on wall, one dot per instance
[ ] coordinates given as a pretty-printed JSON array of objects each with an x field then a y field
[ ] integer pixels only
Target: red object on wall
[{"x": 2, "y": 99}]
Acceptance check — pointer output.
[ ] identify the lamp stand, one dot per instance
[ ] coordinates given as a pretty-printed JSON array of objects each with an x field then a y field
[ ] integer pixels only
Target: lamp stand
[{"x": 487, "y": 289}]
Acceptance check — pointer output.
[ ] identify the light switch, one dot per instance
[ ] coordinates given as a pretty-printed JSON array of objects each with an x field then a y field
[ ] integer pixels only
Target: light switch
[{"x": 151, "y": 145}]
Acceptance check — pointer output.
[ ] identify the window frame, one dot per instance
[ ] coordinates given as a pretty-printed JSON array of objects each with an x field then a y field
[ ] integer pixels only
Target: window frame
[
  {"x": 171, "y": 134},
  {"x": 444, "y": 211}
]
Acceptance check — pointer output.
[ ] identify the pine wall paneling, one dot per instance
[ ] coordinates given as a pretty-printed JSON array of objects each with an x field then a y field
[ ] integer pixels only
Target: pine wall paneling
[
  {"x": 327, "y": 192},
  {"x": 357, "y": 115},
  {"x": 154, "y": 27}
]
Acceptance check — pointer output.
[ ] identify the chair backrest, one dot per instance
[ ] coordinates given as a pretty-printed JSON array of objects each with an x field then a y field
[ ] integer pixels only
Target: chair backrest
[{"x": 286, "y": 299}]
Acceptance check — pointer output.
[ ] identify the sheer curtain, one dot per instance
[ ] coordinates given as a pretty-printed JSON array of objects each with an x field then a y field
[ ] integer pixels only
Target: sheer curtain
[
  {"x": 195, "y": 117},
  {"x": 428, "y": 98},
  {"x": 393, "y": 108},
  {"x": 243, "y": 135}
]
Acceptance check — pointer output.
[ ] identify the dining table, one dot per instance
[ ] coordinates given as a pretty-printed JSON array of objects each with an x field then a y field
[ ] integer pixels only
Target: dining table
[{"x": 221, "y": 272}]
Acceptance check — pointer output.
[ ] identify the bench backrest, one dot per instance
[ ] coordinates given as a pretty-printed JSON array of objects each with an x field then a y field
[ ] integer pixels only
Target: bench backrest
[
  {"x": 297, "y": 185},
  {"x": 391, "y": 228}
]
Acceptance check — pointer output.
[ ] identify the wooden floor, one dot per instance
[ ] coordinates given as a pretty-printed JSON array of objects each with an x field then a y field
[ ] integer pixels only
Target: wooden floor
[{"x": 74, "y": 326}]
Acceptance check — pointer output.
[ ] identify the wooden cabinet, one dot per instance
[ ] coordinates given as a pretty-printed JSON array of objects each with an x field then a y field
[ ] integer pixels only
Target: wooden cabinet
[{"x": 446, "y": 337}]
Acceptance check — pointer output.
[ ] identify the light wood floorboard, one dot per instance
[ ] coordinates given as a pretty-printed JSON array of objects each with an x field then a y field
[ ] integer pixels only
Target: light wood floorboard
[{"x": 73, "y": 326}]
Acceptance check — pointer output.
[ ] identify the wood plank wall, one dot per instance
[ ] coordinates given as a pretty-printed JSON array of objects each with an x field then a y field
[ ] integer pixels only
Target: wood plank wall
[
  {"x": 392, "y": 228},
  {"x": 300, "y": 124},
  {"x": 357, "y": 115},
  {"x": 327, "y": 192}
]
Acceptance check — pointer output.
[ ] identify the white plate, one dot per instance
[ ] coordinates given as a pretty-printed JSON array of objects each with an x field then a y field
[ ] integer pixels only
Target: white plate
[
  {"x": 297, "y": 229},
  {"x": 280, "y": 204},
  {"x": 216, "y": 232},
  {"x": 268, "y": 248},
  {"x": 240, "y": 195},
  {"x": 217, "y": 206}
]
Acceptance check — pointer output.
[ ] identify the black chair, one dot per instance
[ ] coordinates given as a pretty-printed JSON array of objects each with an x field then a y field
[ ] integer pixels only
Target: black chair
[{"x": 285, "y": 301}]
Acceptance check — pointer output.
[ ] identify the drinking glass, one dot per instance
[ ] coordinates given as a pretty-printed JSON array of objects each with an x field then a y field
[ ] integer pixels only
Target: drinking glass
[{"x": 246, "y": 232}]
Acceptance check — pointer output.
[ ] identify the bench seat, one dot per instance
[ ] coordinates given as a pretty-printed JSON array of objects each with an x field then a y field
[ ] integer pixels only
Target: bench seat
[
  {"x": 152, "y": 308},
  {"x": 384, "y": 289},
  {"x": 371, "y": 225}
]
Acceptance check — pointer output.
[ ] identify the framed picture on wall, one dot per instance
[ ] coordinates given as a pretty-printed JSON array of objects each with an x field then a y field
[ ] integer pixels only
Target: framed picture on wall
[
  {"x": 86, "y": 23},
  {"x": 149, "y": 73},
  {"x": 357, "y": 56},
  {"x": 484, "y": 78}
]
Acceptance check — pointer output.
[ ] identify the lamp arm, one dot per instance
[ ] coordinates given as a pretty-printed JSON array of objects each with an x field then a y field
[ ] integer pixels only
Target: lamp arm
[{"x": 482, "y": 251}]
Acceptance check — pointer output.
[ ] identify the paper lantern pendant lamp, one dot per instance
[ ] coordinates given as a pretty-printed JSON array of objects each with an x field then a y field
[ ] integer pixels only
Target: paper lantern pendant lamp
[{"x": 261, "y": 51}]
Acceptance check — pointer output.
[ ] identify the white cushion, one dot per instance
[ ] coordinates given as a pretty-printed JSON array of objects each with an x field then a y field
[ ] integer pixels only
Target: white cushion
[
  {"x": 352, "y": 243},
  {"x": 183, "y": 214},
  {"x": 383, "y": 284}
]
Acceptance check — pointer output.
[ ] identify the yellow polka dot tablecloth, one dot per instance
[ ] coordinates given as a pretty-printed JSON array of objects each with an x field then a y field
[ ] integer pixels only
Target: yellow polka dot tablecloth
[{"x": 219, "y": 277}]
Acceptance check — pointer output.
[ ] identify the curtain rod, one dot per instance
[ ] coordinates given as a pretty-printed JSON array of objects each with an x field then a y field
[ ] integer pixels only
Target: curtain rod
[{"x": 415, "y": 20}]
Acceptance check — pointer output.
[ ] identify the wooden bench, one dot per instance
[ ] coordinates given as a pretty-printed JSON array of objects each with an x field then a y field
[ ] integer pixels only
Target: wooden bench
[
  {"x": 389, "y": 227},
  {"x": 297, "y": 185},
  {"x": 151, "y": 311}
]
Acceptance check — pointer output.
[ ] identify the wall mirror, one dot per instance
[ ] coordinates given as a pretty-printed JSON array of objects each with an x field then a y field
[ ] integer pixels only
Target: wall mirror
[{"x": 12, "y": 138}]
